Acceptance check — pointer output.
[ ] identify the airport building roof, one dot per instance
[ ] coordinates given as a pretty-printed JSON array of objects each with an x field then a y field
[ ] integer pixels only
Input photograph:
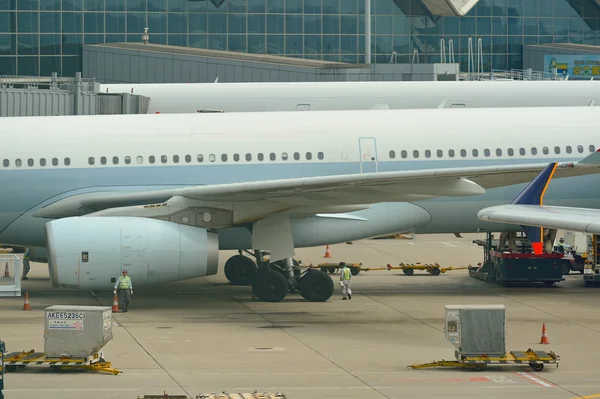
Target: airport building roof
[{"x": 230, "y": 55}]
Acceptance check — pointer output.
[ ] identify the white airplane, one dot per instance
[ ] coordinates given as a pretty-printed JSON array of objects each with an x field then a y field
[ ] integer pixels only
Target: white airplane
[
  {"x": 161, "y": 194},
  {"x": 321, "y": 96}
]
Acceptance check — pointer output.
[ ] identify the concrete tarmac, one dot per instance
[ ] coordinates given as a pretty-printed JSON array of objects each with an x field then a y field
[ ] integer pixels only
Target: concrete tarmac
[{"x": 203, "y": 335}]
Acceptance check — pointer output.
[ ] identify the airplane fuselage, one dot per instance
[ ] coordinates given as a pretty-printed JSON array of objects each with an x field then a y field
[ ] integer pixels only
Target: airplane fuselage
[{"x": 50, "y": 158}]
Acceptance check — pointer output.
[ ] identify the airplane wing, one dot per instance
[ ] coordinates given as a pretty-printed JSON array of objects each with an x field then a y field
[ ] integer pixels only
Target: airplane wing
[
  {"x": 554, "y": 217},
  {"x": 246, "y": 202}
]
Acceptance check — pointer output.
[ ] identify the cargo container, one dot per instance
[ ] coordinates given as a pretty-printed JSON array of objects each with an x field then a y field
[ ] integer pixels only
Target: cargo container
[{"x": 476, "y": 330}]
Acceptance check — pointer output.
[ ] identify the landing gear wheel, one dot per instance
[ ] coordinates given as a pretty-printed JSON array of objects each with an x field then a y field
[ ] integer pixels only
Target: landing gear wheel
[
  {"x": 316, "y": 286},
  {"x": 269, "y": 286},
  {"x": 537, "y": 366},
  {"x": 435, "y": 271},
  {"x": 354, "y": 270},
  {"x": 239, "y": 270},
  {"x": 408, "y": 272}
]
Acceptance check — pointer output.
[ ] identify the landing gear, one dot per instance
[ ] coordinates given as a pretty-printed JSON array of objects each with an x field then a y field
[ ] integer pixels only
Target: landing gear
[
  {"x": 239, "y": 270},
  {"x": 272, "y": 281}
]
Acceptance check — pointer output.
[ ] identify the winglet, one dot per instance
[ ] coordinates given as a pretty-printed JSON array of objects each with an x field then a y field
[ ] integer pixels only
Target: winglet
[
  {"x": 592, "y": 159},
  {"x": 533, "y": 194}
]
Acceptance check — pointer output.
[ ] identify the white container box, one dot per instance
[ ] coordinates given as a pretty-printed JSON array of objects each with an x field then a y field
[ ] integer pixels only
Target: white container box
[
  {"x": 476, "y": 330},
  {"x": 76, "y": 331}
]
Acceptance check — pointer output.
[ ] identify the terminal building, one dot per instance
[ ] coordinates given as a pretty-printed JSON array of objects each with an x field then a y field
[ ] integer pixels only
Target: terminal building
[{"x": 39, "y": 37}]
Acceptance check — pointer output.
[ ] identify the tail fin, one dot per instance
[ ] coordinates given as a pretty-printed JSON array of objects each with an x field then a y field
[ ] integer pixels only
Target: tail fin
[{"x": 533, "y": 194}]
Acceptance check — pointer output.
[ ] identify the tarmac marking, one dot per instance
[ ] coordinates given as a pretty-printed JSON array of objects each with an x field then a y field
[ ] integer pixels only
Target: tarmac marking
[
  {"x": 71, "y": 389},
  {"x": 588, "y": 396},
  {"x": 536, "y": 380}
]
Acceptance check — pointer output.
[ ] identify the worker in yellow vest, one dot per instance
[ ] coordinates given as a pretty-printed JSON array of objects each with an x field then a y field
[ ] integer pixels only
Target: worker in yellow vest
[
  {"x": 123, "y": 289},
  {"x": 26, "y": 266},
  {"x": 345, "y": 282}
]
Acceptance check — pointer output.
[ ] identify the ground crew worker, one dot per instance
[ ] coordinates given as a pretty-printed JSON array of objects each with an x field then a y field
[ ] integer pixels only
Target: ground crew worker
[
  {"x": 345, "y": 277},
  {"x": 124, "y": 290},
  {"x": 26, "y": 266},
  {"x": 562, "y": 245}
]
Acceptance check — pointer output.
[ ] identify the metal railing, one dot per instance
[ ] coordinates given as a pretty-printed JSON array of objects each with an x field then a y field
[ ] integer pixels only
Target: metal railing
[{"x": 47, "y": 82}]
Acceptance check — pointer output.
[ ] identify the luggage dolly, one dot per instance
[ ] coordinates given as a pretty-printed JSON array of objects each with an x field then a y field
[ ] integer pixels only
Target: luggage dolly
[
  {"x": 332, "y": 268},
  {"x": 432, "y": 268},
  {"x": 95, "y": 362},
  {"x": 535, "y": 359}
]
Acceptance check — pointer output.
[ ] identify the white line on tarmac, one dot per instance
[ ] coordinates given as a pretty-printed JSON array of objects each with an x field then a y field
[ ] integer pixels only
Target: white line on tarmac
[
  {"x": 308, "y": 388},
  {"x": 71, "y": 389}
]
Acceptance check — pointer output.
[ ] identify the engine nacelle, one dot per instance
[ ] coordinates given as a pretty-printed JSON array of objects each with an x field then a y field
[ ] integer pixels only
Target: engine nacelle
[{"x": 91, "y": 252}]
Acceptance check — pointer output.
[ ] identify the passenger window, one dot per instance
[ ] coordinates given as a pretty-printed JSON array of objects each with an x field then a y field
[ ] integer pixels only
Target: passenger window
[
  {"x": 297, "y": 156},
  {"x": 592, "y": 148},
  {"x": 91, "y": 160},
  {"x": 151, "y": 159},
  {"x": 569, "y": 149},
  {"x": 545, "y": 150},
  {"x": 451, "y": 153},
  {"x": 511, "y": 152},
  {"x": 522, "y": 151},
  {"x": 533, "y": 151},
  {"x": 309, "y": 156},
  {"x": 475, "y": 153},
  {"x": 580, "y": 149},
  {"x": 67, "y": 161},
  {"x": 30, "y": 162},
  {"x": 284, "y": 156},
  {"x": 498, "y": 152},
  {"x": 487, "y": 152},
  {"x": 320, "y": 155},
  {"x": 103, "y": 160},
  {"x": 392, "y": 154},
  {"x": 6, "y": 163},
  {"x": 43, "y": 161},
  {"x": 164, "y": 158},
  {"x": 127, "y": 160},
  {"x": 427, "y": 154},
  {"x": 188, "y": 158},
  {"x": 18, "y": 163},
  {"x": 272, "y": 156},
  {"x": 403, "y": 154},
  {"x": 212, "y": 158},
  {"x": 463, "y": 153},
  {"x": 557, "y": 150},
  {"x": 200, "y": 158},
  {"x": 440, "y": 153},
  {"x": 175, "y": 158},
  {"x": 248, "y": 157},
  {"x": 115, "y": 160},
  {"x": 224, "y": 157},
  {"x": 236, "y": 157},
  {"x": 415, "y": 154},
  {"x": 139, "y": 159},
  {"x": 262, "y": 157},
  {"x": 55, "y": 161}
]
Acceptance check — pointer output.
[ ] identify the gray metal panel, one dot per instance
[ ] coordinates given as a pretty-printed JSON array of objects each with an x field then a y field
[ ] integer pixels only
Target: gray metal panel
[{"x": 475, "y": 330}]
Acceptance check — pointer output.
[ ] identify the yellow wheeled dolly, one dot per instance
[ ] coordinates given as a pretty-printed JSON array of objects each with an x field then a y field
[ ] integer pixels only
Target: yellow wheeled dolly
[
  {"x": 17, "y": 360},
  {"x": 535, "y": 359},
  {"x": 432, "y": 268}
]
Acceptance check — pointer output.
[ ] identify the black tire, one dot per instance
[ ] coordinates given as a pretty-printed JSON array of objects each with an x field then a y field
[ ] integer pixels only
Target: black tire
[
  {"x": 537, "y": 366},
  {"x": 239, "y": 270},
  {"x": 316, "y": 286},
  {"x": 354, "y": 270},
  {"x": 324, "y": 270},
  {"x": 435, "y": 271},
  {"x": 408, "y": 272},
  {"x": 269, "y": 286},
  {"x": 331, "y": 270}
]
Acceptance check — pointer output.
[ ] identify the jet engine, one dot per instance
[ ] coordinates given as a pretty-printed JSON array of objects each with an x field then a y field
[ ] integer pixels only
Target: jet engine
[{"x": 91, "y": 252}]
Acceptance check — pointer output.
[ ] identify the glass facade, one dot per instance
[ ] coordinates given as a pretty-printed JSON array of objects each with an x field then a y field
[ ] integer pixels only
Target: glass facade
[{"x": 38, "y": 37}]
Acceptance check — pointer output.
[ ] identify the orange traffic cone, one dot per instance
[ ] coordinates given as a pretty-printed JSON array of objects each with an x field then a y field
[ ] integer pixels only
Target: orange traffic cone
[
  {"x": 115, "y": 306},
  {"x": 6, "y": 273},
  {"x": 327, "y": 254},
  {"x": 544, "y": 339},
  {"x": 26, "y": 305}
]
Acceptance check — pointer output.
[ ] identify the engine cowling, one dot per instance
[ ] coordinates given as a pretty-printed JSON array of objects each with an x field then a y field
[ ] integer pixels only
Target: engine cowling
[{"x": 91, "y": 252}]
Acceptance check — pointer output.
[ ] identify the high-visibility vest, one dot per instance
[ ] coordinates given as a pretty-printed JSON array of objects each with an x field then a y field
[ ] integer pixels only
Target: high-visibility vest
[
  {"x": 124, "y": 283},
  {"x": 346, "y": 273}
]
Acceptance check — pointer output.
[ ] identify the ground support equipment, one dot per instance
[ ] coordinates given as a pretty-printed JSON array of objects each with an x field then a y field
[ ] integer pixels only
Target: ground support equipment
[
  {"x": 333, "y": 268},
  {"x": 432, "y": 268},
  {"x": 535, "y": 359},
  {"x": 17, "y": 360}
]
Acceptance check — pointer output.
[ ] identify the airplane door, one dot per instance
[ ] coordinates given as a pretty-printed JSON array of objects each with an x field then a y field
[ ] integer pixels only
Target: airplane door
[
  {"x": 368, "y": 155},
  {"x": 303, "y": 107}
]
